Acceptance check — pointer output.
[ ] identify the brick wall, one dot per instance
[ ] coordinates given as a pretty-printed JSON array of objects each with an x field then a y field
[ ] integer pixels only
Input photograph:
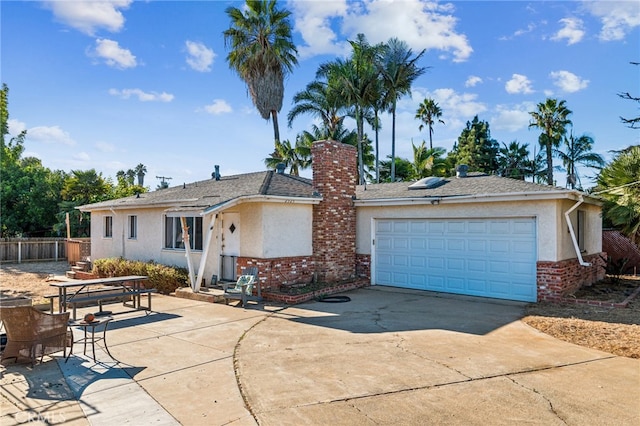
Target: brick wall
[
  {"x": 556, "y": 279},
  {"x": 277, "y": 271},
  {"x": 363, "y": 266},
  {"x": 334, "y": 218}
]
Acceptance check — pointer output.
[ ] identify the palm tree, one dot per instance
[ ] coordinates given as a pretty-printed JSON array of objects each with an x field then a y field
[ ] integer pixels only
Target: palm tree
[
  {"x": 140, "y": 171},
  {"x": 321, "y": 100},
  {"x": 551, "y": 117},
  {"x": 398, "y": 68},
  {"x": 619, "y": 184},
  {"x": 428, "y": 112},
  {"x": 296, "y": 157},
  {"x": 356, "y": 79},
  {"x": 578, "y": 151},
  {"x": 428, "y": 161},
  {"x": 262, "y": 53},
  {"x": 513, "y": 160}
]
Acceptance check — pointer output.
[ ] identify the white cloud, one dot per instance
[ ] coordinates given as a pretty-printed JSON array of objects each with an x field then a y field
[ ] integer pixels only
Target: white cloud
[
  {"x": 423, "y": 25},
  {"x": 572, "y": 31},
  {"x": 200, "y": 57},
  {"x": 142, "y": 95},
  {"x": 618, "y": 18},
  {"x": 105, "y": 147},
  {"x": 454, "y": 105},
  {"x": 520, "y": 32},
  {"x": 568, "y": 81},
  {"x": 114, "y": 55},
  {"x": 518, "y": 84},
  {"x": 89, "y": 16},
  {"x": 81, "y": 156},
  {"x": 219, "y": 106},
  {"x": 49, "y": 134},
  {"x": 512, "y": 118},
  {"x": 15, "y": 126},
  {"x": 472, "y": 81}
]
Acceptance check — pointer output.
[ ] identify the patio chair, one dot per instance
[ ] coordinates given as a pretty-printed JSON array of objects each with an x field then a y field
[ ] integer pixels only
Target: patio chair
[
  {"x": 243, "y": 288},
  {"x": 32, "y": 333}
]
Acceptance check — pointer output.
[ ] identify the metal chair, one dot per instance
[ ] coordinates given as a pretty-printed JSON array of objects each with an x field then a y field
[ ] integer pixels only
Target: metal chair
[{"x": 243, "y": 289}]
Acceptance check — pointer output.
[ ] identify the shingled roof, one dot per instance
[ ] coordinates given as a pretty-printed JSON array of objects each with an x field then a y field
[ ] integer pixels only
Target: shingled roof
[
  {"x": 474, "y": 184},
  {"x": 208, "y": 193}
]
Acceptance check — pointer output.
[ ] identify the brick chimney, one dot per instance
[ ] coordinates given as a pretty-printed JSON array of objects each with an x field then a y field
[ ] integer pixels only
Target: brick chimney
[{"x": 335, "y": 167}]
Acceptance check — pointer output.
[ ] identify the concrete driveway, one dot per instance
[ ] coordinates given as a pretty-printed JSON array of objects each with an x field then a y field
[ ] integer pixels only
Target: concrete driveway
[
  {"x": 388, "y": 356},
  {"x": 404, "y": 357}
]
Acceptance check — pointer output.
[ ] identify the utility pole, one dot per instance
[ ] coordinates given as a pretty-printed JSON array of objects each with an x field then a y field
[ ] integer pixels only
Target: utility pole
[{"x": 163, "y": 181}]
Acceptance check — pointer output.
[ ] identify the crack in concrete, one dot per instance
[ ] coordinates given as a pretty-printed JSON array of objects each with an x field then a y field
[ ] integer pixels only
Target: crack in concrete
[{"x": 551, "y": 407}]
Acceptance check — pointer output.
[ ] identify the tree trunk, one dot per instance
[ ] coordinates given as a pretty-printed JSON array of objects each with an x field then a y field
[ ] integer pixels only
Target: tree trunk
[
  {"x": 430, "y": 136},
  {"x": 393, "y": 142},
  {"x": 377, "y": 150},
  {"x": 360, "y": 132},
  {"x": 549, "y": 162},
  {"x": 276, "y": 130}
]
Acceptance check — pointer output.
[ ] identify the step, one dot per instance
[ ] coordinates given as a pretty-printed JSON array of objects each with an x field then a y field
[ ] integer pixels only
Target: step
[{"x": 70, "y": 274}]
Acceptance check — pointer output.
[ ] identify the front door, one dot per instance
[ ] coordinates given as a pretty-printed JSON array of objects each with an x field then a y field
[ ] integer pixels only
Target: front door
[{"x": 230, "y": 245}]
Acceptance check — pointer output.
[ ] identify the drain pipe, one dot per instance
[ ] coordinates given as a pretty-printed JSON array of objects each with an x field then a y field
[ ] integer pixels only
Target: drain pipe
[{"x": 573, "y": 234}]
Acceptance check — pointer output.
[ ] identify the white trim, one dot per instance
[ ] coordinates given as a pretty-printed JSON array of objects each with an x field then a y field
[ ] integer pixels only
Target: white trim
[
  {"x": 257, "y": 199},
  {"x": 205, "y": 253}
]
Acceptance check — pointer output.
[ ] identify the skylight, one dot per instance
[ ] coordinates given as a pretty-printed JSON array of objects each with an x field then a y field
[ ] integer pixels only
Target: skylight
[{"x": 427, "y": 183}]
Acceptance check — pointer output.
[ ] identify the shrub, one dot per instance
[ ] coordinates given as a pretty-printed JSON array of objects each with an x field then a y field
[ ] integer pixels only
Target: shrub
[{"x": 165, "y": 279}]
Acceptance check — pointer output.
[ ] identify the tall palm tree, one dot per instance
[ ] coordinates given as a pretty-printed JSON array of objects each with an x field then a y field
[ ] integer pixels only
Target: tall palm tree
[
  {"x": 262, "y": 53},
  {"x": 356, "y": 78},
  {"x": 428, "y": 161},
  {"x": 321, "y": 100},
  {"x": 398, "y": 68},
  {"x": 578, "y": 151},
  {"x": 140, "y": 171},
  {"x": 513, "y": 160},
  {"x": 551, "y": 117},
  {"x": 428, "y": 112}
]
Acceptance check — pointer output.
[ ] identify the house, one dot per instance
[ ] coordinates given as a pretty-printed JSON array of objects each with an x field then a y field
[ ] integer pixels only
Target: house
[{"x": 471, "y": 234}]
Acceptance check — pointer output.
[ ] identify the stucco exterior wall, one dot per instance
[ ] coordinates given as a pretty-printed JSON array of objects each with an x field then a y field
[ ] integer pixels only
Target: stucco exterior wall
[
  {"x": 545, "y": 212},
  {"x": 592, "y": 230}
]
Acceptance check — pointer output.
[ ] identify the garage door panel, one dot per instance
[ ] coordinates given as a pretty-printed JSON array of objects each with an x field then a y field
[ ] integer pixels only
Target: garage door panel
[{"x": 481, "y": 257}]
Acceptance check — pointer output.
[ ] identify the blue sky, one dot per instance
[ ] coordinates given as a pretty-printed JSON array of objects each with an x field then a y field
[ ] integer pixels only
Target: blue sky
[{"x": 108, "y": 85}]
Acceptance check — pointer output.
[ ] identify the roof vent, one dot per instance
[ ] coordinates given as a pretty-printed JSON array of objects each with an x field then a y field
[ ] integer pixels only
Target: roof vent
[
  {"x": 280, "y": 168},
  {"x": 461, "y": 170},
  {"x": 216, "y": 174},
  {"x": 427, "y": 183}
]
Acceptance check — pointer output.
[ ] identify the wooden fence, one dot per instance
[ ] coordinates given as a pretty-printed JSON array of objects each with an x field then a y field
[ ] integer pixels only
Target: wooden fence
[{"x": 18, "y": 250}]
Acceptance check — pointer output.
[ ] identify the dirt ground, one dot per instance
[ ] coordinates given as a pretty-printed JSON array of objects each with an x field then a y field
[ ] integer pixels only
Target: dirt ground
[{"x": 613, "y": 330}]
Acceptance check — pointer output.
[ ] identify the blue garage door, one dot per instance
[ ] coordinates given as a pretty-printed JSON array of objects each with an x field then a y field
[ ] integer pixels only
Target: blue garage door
[{"x": 478, "y": 257}]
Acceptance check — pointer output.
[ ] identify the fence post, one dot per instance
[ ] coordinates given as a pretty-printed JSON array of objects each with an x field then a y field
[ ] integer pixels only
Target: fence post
[
  {"x": 19, "y": 251},
  {"x": 56, "y": 250}
]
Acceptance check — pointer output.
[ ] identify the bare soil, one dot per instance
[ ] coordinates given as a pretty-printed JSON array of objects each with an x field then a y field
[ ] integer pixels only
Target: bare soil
[{"x": 613, "y": 330}]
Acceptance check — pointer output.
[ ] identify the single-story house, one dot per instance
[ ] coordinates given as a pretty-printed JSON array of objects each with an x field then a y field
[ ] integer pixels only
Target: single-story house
[{"x": 472, "y": 234}]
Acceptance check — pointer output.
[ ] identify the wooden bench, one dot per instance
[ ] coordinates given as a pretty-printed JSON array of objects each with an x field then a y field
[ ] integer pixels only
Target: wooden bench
[{"x": 102, "y": 295}]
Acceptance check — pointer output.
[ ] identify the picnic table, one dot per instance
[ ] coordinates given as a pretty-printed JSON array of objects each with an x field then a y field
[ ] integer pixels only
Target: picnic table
[{"x": 125, "y": 288}]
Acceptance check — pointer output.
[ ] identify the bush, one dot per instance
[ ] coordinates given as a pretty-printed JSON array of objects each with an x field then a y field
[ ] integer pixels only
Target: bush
[{"x": 165, "y": 279}]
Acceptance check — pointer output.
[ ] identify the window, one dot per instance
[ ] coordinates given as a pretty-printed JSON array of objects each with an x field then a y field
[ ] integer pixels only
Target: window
[
  {"x": 133, "y": 227},
  {"x": 173, "y": 233},
  {"x": 581, "y": 227},
  {"x": 108, "y": 226}
]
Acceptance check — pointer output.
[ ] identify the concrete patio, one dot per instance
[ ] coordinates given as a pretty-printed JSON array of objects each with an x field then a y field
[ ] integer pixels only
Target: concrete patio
[{"x": 386, "y": 357}]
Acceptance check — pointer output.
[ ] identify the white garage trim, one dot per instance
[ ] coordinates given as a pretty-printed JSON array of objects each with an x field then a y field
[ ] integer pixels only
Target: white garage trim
[{"x": 488, "y": 257}]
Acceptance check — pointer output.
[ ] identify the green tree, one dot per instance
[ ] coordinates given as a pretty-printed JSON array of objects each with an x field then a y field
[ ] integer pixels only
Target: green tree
[
  {"x": 619, "y": 185},
  {"x": 321, "y": 100},
  {"x": 578, "y": 151},
  {"x": 356, "y": 79},
  {"x": 551, "y": 117},
  {"x": 428, "y": 112},
  {"x": 262, "y": 53},
  {"x": 297, "y": 157},
  {"x": 403, "y": 168},
  {"x": 475, "y": 148},
  {"x": 398, "y": 68},
  {"x": 428, "y": 162},
  {"x": 513, "y": 160},
  {"x": 85, "y": 187}
]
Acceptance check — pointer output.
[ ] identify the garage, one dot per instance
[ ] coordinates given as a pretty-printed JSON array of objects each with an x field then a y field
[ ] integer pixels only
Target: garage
[{"x": 487, "y": 257}]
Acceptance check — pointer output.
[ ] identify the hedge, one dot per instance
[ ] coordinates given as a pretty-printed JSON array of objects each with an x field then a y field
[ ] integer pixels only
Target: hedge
[{"x": 165, "y": 279}]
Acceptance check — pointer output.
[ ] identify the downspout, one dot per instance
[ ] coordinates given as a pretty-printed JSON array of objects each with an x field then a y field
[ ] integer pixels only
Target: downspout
[
  {"x": 205, "y": 252},
  {"x": 573, "y": 234}
]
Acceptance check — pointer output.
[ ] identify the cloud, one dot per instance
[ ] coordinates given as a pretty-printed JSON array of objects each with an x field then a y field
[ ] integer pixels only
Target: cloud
[
  {"x": 219, "y": 106},
  {"x": 90, "y": 16},
  {"x": 81, "y": 156},
  {"x": 572, "y": 31},
  {"x": 618, "y": 18},
  {"x": 518, "y": 84},
  {"x": 568, "y": 81},
  {"x": 114, "y": 55},
  {"x": 15, "y": 126},
  {"x": 472, "y": 81},
  {"x": 520, "y": 32},
  {"x": 512, "y": 118},
  {"x": 105, "y": 147},
  {"x": 453, "y": 104},
  {"x": 141, "y": 95},
  {"x": 423, "y": 25},
  {"x": 50, "y": 134},
  {"x": 199, "y": 57}
]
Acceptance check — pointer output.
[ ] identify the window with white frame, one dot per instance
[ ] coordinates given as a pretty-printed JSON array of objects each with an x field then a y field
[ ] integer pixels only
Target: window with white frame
[
  {"x": 173, "y": 238},
  {"x": 108, "y": 226},
  {"x": 133, "y": 227}
]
